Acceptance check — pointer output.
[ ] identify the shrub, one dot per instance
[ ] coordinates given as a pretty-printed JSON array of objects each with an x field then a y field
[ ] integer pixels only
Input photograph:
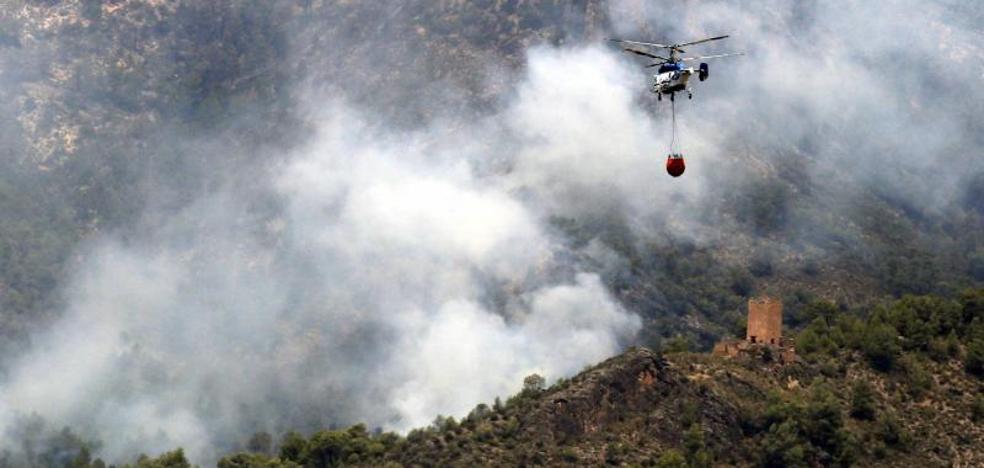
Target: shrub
[
  {"x": 879, "y": 345},
  {"x": 818, "y": 338},
  {"x": 972, "y": 305},
  {"x": 534, "y": 383},
  {"x": 261, "y": 442},
  {"x": 862, "y": 401},
  {"x": 824, "y": 310},
  {"x": 677, "y": 344},
  {"x": 807, "y": 434},
  {"x": 253, "y": 460},
  {"x": 481, "y": 411},
  {"x": 891, "y": 432},
  {"x": 569, "y": 455},
  {"x": 615, "y": 453},
  {"x": 822, "y": 420},
  {"x": 742, "y": 283},
  {"x": 918, "y": 379},
  {"x": 940, "y": 349},
  {"x": 761, "y": 265},
  {"x": 293, "y": 447},
  {"x": 693, "y": 442},
  {"x": 173, "y": 459},
  {"x": 974, "y": 362},
  {"x": 977, "y": 408},
  {"x": 783, "y": 446},
  {"x": 671, "y": 459},
  {"x": 921, "y": 318},
  {"x": 335, "y": 448}
]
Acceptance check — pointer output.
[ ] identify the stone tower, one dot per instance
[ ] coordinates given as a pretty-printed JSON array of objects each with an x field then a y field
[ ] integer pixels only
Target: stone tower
[{"x": 764, "y": 320}]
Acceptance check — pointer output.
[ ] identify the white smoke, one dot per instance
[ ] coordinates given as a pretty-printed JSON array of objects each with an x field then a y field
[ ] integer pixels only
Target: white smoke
[
  {"x": 401, "y": 275},
  {"x": 397, "y": 281},
  {"x": 867, "y": 95}
]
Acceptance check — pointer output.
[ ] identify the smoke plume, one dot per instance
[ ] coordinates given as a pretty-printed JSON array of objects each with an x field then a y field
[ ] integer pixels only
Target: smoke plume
[
  {"x": 386, "y": 279},
  {"x": 387, "y": 275}
]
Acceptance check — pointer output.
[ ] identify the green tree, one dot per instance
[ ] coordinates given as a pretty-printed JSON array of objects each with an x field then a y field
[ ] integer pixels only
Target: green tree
[
  {"x": 805, "y": 434},
  {"x": 173, "y": 459},
  {"x": 972, "y": 305},
  {"x": 261, "y": 442},
  {"x": 918, "y": 379},
  {"x": 335, "y": 448},
  {"x": 918, "y": 319},
  {"x": 862, "y": 401},
  {"x": 818, "y": 338},
  {"x": 823, "y": 310},
  {"x": 293, "y": 448},
  {"x": 879, "y": 344},
  {"x": 534, "y": 383},
  {"x": 696, "y": 452},
  {"x": 822, "y": 420},
  {"x": 677, "y": 344},
  {"x": 892, "y": 433},
  {"x": 784, "y": 446},
  {"x": 328, "y": 448},
  {"x": 671, "y": 459},
  {"x": 940, "y": 348},
  {"x": 977, "y": 408},
  {"x": 254, "y": 460},
  {"x": 497, "y": 405},
  {"x": 974, "y": 362}
]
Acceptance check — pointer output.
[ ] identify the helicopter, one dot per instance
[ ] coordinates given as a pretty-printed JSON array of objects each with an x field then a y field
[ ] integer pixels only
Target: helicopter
[{"x": 673, "y": 75}]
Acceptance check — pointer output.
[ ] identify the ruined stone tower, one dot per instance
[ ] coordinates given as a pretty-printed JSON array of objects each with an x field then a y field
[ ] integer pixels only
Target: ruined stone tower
[{"x": 764, "y": 320}]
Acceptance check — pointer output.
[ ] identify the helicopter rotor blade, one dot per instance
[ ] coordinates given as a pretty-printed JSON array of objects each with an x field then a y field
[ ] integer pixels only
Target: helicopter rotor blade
[
  {"x": 716, "y": 38},
  {"x": 644, "y": 54},
  {"x": 702, "y": 57},
  {"x": 645, "y": 44},
  {"x": 656, "y": 64}
]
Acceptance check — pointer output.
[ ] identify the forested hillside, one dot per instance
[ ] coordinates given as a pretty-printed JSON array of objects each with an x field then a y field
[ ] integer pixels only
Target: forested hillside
[
  {"x": 899, "y": 387},
  {"x": 203, "y": 204}
]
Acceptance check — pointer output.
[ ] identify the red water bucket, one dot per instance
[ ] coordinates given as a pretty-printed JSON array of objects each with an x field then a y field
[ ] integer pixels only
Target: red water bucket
[{"x": 675, "y": 165}]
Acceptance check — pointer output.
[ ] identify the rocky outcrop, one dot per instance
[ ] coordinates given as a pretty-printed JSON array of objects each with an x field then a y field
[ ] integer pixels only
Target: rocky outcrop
[{"x": 638, "y": 389}]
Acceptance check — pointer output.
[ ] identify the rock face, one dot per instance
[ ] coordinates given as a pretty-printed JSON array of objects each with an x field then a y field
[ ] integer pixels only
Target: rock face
[
  {"x": 641, "y": 408},
  {"x": 638, "y": 389},
  {"x": 630, "y": 408}
]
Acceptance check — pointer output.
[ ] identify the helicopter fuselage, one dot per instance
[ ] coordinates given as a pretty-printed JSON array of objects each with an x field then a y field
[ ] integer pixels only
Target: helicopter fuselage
[
  {"x": 671, "y": 82},
  {"x": 672, "y": 78}
]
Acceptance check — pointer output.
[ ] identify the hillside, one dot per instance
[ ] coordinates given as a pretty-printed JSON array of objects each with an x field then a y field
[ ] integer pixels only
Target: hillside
[
  {"x": 853, "y": 397},
  {"x": 671, "y": 410},
  {"x": 684, "y": 409},
  {"x": 233, "y": 217},
  {"x": 911, "y": 397},
  {"x": 115, "y": 112},
  {"x": 638, "y": 408}
]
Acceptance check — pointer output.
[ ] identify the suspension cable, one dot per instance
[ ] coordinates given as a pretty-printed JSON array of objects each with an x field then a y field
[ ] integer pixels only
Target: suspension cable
[{"x": 673, "y": 135}]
